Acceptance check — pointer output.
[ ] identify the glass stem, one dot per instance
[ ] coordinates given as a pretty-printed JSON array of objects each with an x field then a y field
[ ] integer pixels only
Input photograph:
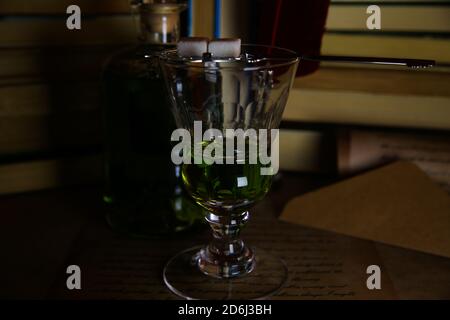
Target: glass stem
[{"x": 226, "y": 256}]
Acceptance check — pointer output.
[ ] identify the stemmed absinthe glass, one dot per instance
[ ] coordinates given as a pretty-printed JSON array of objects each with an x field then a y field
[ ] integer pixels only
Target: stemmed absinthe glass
[{"x": 228, "y": 108}]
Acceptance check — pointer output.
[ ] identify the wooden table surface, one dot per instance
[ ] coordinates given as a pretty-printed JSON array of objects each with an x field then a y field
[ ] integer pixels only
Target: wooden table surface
[{"x": 43, "y": 232}]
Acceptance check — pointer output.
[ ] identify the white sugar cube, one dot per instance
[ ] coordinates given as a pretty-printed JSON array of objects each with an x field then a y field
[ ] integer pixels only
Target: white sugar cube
[
  {"x": 192, "y": 47},
  {"x": 225, "y": 48}
]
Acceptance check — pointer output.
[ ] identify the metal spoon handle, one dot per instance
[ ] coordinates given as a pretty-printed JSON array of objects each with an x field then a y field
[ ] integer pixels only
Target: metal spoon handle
[{"x": 411, "y": 63}]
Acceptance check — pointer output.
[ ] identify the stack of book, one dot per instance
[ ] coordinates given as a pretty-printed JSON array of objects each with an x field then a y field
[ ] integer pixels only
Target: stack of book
[
  {"x": 378, "y": 114},
  {"x": 413, "y": 28},
  {"x": 50, "y": 109},
  {"x": 342, "y": 118}
]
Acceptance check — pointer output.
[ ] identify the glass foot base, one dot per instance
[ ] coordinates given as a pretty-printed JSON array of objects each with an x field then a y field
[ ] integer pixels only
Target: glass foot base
[{"x": 183, "y": 277}]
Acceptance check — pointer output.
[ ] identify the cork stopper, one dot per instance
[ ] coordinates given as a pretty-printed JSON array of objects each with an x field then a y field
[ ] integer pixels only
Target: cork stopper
[{"x": 159, "y": 20}]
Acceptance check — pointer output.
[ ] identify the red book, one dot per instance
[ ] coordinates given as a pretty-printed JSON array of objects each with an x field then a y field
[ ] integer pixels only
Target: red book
[{"x": 294, "y": 24}]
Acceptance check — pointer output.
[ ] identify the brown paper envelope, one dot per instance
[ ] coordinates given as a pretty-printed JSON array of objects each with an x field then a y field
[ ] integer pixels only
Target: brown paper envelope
[{"x": 396, "y": 204}]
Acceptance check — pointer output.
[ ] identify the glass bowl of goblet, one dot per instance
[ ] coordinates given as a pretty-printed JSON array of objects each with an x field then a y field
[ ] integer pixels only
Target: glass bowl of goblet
[{"x": 227, "y": 111}]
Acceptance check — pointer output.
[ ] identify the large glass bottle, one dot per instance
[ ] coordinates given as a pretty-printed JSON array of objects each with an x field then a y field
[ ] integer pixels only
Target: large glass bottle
[{"x": 144, "y": 191}]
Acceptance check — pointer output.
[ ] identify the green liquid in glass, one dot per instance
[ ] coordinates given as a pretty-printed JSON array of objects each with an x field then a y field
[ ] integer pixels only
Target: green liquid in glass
[{"x": 226, "y": 188}]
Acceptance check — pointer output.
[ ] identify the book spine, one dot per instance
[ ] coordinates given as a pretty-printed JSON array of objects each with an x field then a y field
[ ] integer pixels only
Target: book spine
[
  {"x": 217, "y": 18},
  {"x": 190, "y": 17},
  {"x": 44, "y": 174},
  {"x": 307, "y": 150},
  {"x": 365, "y": 108},
  {"x": 396, "y": 18}
]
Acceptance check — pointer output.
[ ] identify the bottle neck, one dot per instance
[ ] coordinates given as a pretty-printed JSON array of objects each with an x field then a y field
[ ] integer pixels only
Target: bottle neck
[{"x": 159, "y": 23}]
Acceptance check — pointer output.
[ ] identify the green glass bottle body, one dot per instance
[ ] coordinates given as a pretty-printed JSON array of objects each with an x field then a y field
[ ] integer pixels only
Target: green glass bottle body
[{"x": 144, "y": 189}]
